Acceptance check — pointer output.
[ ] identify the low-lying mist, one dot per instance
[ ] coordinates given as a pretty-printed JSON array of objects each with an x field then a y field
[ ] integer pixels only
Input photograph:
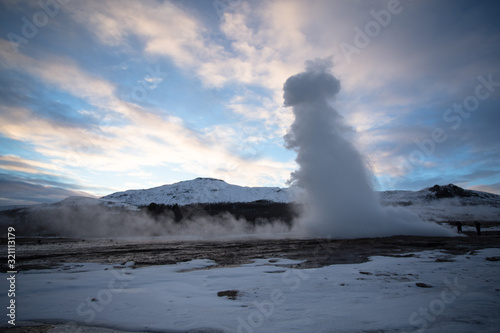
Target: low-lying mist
[{"x": 97, "y": 220}]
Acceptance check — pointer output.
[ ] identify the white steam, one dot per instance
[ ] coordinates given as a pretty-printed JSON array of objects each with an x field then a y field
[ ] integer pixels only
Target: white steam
[
  {"x": 340, "y": 200},
  {"x": 92, "y": 219}
]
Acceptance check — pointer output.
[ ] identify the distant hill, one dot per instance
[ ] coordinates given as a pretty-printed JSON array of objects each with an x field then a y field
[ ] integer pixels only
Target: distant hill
[
  {"x": 199, "y": 190},
  {"x": 188, "y": 200},
  {"x": 437, "y": 193},
  {"x": 436, "y": 203},
  {"x": 446, "y": 203}
]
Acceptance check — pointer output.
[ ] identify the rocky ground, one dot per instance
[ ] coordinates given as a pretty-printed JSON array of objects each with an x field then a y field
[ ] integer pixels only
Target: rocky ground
[{"x": 38, "y": 253}]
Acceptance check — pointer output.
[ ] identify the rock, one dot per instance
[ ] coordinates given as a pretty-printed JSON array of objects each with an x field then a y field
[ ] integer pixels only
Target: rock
[
  {"x": 451, "y": 191},
  {"x": 444, "y": 260},
  {"x": 423, "y": 285},
  {"x": 231, "y": 294}
]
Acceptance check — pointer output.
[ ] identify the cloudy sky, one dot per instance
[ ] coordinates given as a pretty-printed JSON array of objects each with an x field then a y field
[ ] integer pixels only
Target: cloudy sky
[{"x": 101, "y": 96}]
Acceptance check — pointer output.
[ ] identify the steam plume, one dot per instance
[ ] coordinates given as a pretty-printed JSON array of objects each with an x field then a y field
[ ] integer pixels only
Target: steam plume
[{"x": 339, "y": 196}]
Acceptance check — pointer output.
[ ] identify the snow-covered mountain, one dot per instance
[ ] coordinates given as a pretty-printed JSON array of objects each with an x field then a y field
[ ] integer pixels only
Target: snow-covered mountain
[
  {"x": 209, "y": 190},
  {"x": 439, "y": 193},
  {"x": 445, "y": 203},
  {"x": 437, "y": 203},
  {"x": 199, "y": 190}
]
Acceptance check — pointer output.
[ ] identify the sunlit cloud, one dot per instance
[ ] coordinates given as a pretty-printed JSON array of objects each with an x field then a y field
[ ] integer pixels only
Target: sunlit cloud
[
  {"x": 211, "y": 102},
  {"x": 18, "y": 164},
  {"x": 146, "y": 139}
]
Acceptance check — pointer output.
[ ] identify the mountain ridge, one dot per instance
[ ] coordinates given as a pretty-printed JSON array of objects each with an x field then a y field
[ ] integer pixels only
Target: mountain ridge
[
  {"x": 211, "y": 190},
  {"x": 437, "y": 203},
  {"x": 199, "y": 190}
]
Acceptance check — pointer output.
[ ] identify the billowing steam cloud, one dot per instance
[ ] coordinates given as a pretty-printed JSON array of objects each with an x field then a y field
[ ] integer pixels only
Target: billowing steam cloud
[
  {"x": 84, "y": 217},
  {"x": 340, "y": 200}
]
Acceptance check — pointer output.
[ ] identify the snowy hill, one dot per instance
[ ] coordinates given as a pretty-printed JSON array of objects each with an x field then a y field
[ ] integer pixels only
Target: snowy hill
[
  {"x": 199, "y": 190},
  {"x": 436, "y": 203},
  {"x": 446, "y": 202},
  {"x": 209, "y": 190},
  {"x": 439, "y": 193}
]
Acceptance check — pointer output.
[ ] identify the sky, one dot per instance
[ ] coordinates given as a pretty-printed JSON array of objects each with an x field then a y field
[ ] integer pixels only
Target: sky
[{"x": 103, "y": 96}]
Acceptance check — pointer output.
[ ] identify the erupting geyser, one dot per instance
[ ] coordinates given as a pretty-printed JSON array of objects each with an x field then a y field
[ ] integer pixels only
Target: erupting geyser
[{"x": 340, "y": 201}]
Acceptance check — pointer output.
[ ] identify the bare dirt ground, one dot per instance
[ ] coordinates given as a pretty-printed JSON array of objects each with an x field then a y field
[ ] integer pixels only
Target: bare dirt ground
[{"x": 40, "y": 253}]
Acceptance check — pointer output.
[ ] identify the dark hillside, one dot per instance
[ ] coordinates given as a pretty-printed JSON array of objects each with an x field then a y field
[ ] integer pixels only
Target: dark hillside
[{"x": 254, "y": 212}]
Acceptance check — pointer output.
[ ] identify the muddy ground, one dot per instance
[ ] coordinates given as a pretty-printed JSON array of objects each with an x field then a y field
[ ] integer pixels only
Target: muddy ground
[{"x": 40, "y": 253}]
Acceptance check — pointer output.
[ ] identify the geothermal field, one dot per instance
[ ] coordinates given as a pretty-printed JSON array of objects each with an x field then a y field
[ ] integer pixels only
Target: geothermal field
[
  {"x": 248, "y": 284},
  {"x": 327, "y": 254},
  {"x": 247, "y": 166}
]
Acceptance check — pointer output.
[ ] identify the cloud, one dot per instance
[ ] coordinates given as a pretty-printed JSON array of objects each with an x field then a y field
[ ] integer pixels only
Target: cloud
[
  {"x": 59, "y": 71},
  {"x": 260, "y": 46},
  {"x": 491, "y": 188},
  {"x": 164, "y": 28},
  {"x": 29, "y": 191},
  {"x": 18, "y": 164},
  {"x": 394, "y": 91},
  {"x": 142, "y": 138},
  {"x": 260, "y": 37},
  {"x": 411, "y": 87}
]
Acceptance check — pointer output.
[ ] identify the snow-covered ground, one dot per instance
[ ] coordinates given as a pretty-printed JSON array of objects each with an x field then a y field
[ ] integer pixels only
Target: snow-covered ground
[{"x": 377, "y": 296}]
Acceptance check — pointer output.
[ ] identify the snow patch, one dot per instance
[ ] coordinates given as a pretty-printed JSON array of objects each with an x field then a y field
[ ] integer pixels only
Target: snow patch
[{"x": 379, "y": 295}]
